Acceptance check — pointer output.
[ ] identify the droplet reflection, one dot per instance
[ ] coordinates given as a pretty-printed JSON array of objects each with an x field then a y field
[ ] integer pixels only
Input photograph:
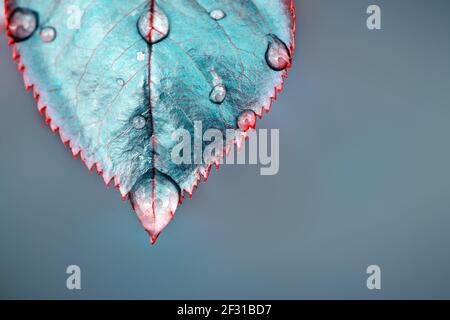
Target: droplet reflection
[
  {"x": 247, "y": 120},
  {"x": 139, "y": 122},
  {"x": 218, "y": 94},
  {"x": 22, "y": 23},
  {"x": 278, "y": 56},
  {"x": 217, "y": 14},
  {"x": 159, "y": 28},
  {"x": 48, "y": 34}
]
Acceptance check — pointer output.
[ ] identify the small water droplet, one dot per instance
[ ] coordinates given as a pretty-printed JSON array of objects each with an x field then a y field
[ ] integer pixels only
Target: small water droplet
[
  {"x": 247, "y": 120},
  {"x": 48, "y": 34},
  {"x": 217, "y": 14},
  {"x": 278, "y": 56},
  {"x": 120, "y": 82},
  {"x": 139, "y": 122},
  {"x": 159, "y": 28},
  {"x": 218, "y": 94},
  {"x": 22, "y": 23},
  {"x": 140, "y": 56}
]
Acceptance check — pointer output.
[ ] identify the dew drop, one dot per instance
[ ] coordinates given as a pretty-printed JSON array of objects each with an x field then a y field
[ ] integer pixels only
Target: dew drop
[
  {"x": 218, "y": 94},
  {"x": 139, "y": 122},
  {"x": 278, "y": 56},
  {"x": 22, "y": 23},
  {"x": 217, "y": 14},
  {"x": 140, "y": 56},
  {"x": 155, "y": 201},
  {"x": 48, "y": 34},
  {"x": 159, "y": 28},
  {"x": 247, "y": 120},
  {"x": 120, "y": 82}
]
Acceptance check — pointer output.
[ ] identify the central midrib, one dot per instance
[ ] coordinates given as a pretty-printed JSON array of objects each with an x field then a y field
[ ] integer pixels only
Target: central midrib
[{"x": 150, "y": 108}]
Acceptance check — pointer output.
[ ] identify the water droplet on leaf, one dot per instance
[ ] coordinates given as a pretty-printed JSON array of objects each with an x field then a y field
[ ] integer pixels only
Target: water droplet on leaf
[
  {"x": 218, "y": 94},
  {"x": 217, "y": 14},
  {"x": 139, "y": 122},
  {"x": 22, "y": 23},
  {"x": 48, "y": 34},
  {"x": 120, "y": 82},
  {"x": 155, "y": 201},
  {"x": 153, "y": 26},
  {"x": 278, "y": 56},
  {"x": 247, "y": 120},
  {"x": 140, "y": 56}
]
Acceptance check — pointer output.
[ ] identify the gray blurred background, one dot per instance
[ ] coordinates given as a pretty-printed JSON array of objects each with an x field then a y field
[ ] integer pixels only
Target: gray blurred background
[{"x": 364, "y": 179}]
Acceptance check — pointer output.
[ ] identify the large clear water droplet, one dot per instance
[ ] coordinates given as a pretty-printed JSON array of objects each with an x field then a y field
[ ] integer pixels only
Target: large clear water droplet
[
  {"x": 153, "y": 26},
  {"x": 218, "y": 94},
  {"x": 278, "y": 56},
  {"x": 22, "y": 23},
  {"x": 155, "y": 200},
  {"x": 247, "y": 120},
  {"x": 217, "y": 14},
  {"x": 48, "y": 34}
]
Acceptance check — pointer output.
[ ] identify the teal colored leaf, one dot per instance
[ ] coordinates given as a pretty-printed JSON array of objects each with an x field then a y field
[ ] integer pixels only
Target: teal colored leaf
[{"x": 117, "y": 78}]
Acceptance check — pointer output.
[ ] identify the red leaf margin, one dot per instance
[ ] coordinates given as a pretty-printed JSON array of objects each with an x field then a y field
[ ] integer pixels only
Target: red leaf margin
[{"x": 79, "y": 153}]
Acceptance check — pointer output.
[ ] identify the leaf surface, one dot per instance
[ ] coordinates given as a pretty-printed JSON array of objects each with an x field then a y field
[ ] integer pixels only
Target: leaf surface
[{"x": 118, "y": 78}]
